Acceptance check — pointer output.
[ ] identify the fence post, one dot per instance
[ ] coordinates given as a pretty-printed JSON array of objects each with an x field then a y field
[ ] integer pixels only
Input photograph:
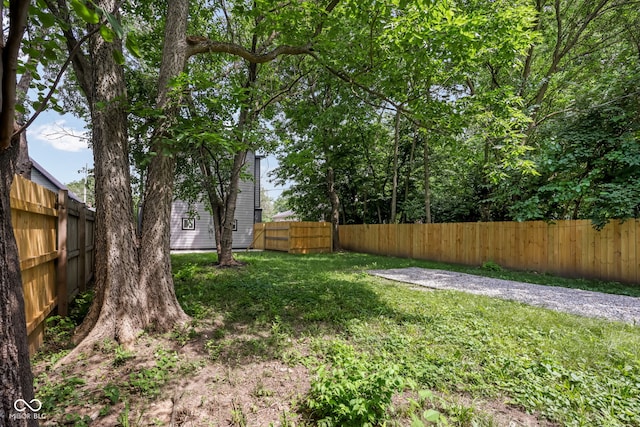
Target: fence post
[
  {"x": 82, "y": 246},
  {"x": 61, "y": 269}
]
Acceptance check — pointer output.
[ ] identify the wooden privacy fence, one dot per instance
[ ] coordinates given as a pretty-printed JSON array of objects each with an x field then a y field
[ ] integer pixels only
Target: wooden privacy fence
[
  {"x": 293, "y": 237},
  {"x": 566, "y": 248},
  {"x": 55, "y": 243}
]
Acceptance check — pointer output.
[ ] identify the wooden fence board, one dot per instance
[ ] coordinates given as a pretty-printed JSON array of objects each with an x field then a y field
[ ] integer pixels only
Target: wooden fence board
[
  {"x": 35, "y": 220},
  {"x": 570, "y": 248},
  {"x": 293, "y": 237},
  {"x": 637, "y": 260}
]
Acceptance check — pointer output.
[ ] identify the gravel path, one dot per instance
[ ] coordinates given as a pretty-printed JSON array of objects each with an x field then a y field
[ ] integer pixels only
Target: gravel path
[{"x": 576, "y": 301}]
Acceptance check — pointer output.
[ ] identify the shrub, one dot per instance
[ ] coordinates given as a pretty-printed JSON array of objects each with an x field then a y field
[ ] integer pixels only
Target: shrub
[
  {"x": 491, "y": 266},
  {"x": 353, "y": 391}
]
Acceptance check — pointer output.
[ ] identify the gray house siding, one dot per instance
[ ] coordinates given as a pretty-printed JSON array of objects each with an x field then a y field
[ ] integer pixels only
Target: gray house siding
[
  {"x": 197, "y": 232},
  {"x": 42, "y": 177},
  {"x": 257, "y": 216}
]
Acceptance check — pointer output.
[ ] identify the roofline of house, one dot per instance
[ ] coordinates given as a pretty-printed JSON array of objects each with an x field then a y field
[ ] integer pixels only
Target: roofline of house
[{"x": 55, "y": 182}]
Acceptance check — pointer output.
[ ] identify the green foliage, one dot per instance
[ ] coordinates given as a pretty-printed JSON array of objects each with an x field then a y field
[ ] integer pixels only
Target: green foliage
[
  {"x": 80, "y": 305},
  {"x": 354, "y": 391},
  {"x": 589, "y": 170},
  {"x": 573, "y": 370},
  {"x": 427, "y": 416},
  {"x": 90, "y": 16},
  {"x": 78, "y": 420},
  {"x": 59, "y": 331},
  {"x": 112, "y": 393},
  {"x": 56, "y": 396},
  {"x": 121, "y": 355},
  {"x": 186, "y": 272},
  {"x": 183, "y": 334},
  {"x": 491, "y": 266},
  {"x": 148, "y": 381}
]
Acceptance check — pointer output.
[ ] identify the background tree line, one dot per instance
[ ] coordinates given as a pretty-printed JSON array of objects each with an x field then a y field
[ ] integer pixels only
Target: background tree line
[{"x": 548, "y": 132}]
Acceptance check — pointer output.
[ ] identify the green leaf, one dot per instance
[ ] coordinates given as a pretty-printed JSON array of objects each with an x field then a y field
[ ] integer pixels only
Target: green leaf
[
  {"x": 86, "y": 14},
  {"x": 431, "y": 415},
  {"x": 119, "y": 57},
  {"x": 132, "y": 45},
  {"x": 425, "y": 394},
  {"x": 47, "y": 19},
  {"x": 115, "y": 25},
  {"x": 107, "y": 34}
]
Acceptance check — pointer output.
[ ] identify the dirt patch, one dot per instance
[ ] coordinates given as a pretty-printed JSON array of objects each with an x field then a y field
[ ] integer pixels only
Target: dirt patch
[
  {"x": 217, "y": 376},
  {"x": 165, "y": 383},
  {"x": 254, "y": 395}
]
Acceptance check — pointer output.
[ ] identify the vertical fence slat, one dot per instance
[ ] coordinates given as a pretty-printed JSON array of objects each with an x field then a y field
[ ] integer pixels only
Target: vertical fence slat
[
  {"x": 616, "y": 252},
  {"x": 82, "y": 246}
]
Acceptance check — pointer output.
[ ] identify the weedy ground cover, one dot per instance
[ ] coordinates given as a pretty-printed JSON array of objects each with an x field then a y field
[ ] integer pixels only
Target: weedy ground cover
[{"x": 314, "y": 340}]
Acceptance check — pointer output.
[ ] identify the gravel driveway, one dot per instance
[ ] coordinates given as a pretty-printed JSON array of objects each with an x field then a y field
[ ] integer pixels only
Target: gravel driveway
[{"x": 576, "y": 301}]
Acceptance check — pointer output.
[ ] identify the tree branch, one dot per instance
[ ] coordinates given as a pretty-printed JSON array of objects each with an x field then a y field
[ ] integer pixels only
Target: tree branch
[
  {"x": 54, "y": 86},
  {"x": 18, "y": 11},
  {"x": 81, "y": 66},
  {"x": 396, "y": 105},
  {"x": 277, "y": 95},
  {"x": 198, "y": 45}
]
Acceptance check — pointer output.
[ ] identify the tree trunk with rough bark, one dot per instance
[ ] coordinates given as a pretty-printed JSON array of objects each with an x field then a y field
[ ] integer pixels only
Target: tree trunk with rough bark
[
  {"x": 23, "y": 163},
  {"x": 225, "y": 253},
  {"x": 16, "y": 381},
  {"x": 134, "y": 285},
  {"x": 117, "y": 311},
  {"x": 156, "y": 280}
]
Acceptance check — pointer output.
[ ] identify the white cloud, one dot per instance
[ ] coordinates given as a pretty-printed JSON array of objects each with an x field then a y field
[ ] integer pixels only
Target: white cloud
[{"x": 60, "y": 137}]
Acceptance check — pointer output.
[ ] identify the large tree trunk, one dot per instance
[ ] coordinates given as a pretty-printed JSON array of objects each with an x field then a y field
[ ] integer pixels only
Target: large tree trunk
[
  {"x": 16, "y": 381},
  {"x": 118, "y": 310},
  {"x": 156, "y": 280},
  {"x": 134, "y": 286}
]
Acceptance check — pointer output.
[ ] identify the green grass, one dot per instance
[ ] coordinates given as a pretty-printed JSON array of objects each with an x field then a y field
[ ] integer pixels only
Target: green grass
[{"x": 569, "y": 369}]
